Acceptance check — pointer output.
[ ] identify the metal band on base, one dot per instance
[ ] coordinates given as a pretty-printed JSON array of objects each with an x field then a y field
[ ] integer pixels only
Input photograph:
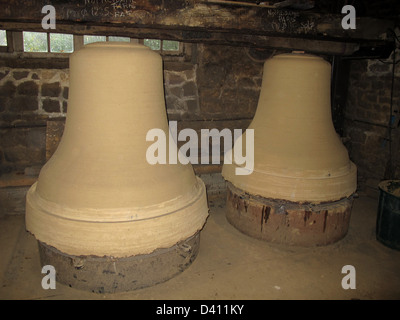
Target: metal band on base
[
  {"x": 288, "y": 222},
  {"x": 110, "y": 275}
]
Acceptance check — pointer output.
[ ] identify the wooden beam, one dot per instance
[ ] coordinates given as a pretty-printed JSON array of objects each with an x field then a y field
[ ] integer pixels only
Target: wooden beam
[
  {"x": 199, "y": 21},
  {"x": 196, "y": 15},
  {"x": 275, "y": 4},
  {"x": 233, "y": 39}
]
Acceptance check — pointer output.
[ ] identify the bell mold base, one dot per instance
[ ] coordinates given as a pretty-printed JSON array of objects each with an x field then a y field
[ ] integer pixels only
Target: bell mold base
[
  {"x": 110, "y": 275},
  {"x": 285, "y": 222}
]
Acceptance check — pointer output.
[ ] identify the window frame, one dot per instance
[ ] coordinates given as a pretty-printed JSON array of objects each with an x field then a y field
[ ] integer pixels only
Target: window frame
[
  {"x": 107, "y": 38},
  {"x": 163, "y": 52},
  {"x": 48, "y": 52},
  {"x": 15, "y": 44},
  {"x": 9, "y": 46}
]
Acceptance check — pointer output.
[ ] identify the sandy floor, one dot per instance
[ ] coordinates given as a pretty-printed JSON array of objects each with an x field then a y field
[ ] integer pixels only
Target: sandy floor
[{"x": 231, "y": 265}]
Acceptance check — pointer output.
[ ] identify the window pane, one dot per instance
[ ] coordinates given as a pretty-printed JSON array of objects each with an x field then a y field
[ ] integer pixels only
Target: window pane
[
  {"x": 90, "y": 39},
  {"x": 60, "y": 42},
  {"x": 35, "y": 41},
  {"x": 153, "y": 44},
  {"x": 3, "y": 38},
  {"x": 124, "y": 39},
  {"x": 169, "y": 45}
]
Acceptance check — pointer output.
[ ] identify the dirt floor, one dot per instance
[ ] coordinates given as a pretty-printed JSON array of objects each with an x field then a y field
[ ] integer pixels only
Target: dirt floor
[{"x": 231, "y": 265}]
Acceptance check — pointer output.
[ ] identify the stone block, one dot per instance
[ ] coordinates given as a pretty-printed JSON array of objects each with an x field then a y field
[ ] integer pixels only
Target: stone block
[
  {"x": 189, "y": 89},
  {"x": 35, "y": 137},
  {"x": 192, "y": 106},
  {"x": 177, "y": 66},
  {"x": 8, "y": 89},
  {"x": 190, "y": 74},
  {"x": 3, "y": 74},
  {"x": 24, "y": 103},
  {"x": 28, "y": 88},
  {"x": 176, "y": 91},
  {"x": 175, "y": 105},
  {"x": 50, "y": 105},
  {"x": 64, "y": 107},
  {"x": 175, "y": 79},
  {"x": 48, "y": 75},
  {"x": 65, "y": 92},
  {"x": 18, "y": 75},
  {"x": 51, "y": 89},
  {"x": 211, "y": 75},
  {"x": 12, "y": 200}
]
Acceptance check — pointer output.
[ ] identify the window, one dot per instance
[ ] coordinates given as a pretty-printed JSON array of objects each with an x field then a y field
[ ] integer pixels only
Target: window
[
  {"x": 41, "y": 41},
  {"x": 165, "y": 46},
  {"x": 169, "y": 45},
  {"x": 153, "y": 44},
  {"x": 35, "y": 41},
  {"x": 60, "y": 42},
  {"x": 124, "y": 39},
  {"x": 3, "y": 38},
  {"x": 90, "y": 39}
]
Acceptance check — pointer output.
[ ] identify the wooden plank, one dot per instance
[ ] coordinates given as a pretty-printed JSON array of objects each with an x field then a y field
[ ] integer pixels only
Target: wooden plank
[
  {"x": 16, "y": 179},
  {"x": 233, "y": 39},
  {"x": 196, "y": 15},
  {"x": 298, "y": 4}
]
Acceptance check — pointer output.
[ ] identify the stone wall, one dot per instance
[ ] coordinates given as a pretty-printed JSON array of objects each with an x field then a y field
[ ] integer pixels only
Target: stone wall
[
  {"x": 229, "y": 82},
  {"x": 27, "y": 98},
  {"x": 373, "y": 146}
]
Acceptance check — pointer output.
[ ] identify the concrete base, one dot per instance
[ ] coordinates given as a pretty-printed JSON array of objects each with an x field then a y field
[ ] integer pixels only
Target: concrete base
[
  {"x": 287, "y": 222},
  {"x": 110, "y": 275}
]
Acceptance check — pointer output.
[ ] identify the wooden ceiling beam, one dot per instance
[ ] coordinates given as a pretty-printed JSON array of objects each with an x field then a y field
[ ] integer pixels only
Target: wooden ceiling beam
[{"x": 200, "y": 21}]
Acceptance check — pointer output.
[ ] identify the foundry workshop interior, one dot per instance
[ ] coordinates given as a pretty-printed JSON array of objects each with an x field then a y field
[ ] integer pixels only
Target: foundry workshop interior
[{"x": 200, "y": 150}]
